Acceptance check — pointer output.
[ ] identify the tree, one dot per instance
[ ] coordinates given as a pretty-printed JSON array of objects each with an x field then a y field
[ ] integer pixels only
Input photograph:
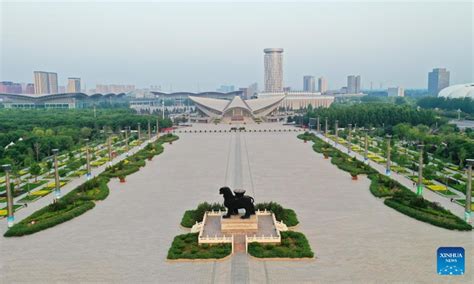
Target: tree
[{"x": 35, "y": 170}]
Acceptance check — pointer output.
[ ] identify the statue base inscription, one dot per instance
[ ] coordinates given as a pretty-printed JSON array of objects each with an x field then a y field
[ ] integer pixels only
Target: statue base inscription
[{"x": 235, "y": 224}]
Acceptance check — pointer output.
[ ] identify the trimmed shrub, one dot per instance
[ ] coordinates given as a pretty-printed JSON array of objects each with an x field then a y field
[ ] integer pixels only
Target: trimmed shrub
[
  {"x": 186, "y": 247},
  {"x": 190, "y": 217},
  {"x": 293, "y": 245},
  {"x": 287, "y": 216}
]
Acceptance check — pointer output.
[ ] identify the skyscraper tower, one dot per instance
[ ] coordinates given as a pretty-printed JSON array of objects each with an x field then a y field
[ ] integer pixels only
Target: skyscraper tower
[
  {"x": 273, "y": 62},
  {"x": 53, "y": 83},
  {"x": 309, "y": 84},
  {"x": 41, "y": 82},
  {"x": 353, "y": 84},
  {"x": 438, "y": 79},
  {"x": 322, "y": 85},
  {"x": 73, "y": 85}
]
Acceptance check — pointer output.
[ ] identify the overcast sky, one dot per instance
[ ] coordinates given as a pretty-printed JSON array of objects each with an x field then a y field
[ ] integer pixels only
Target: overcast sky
[{"x": 186, "y": 45}]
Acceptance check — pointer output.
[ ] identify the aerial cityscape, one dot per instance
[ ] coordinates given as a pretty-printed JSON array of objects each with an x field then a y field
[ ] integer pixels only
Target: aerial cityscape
[{"x": 236, "y": 142}]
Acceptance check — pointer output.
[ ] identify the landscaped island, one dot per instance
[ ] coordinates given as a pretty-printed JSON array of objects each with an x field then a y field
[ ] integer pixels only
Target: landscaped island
[
  {"x": 83, "y": 198},
  {"x": 286, "y": 244},
  {"x": 396, "y": 195}
]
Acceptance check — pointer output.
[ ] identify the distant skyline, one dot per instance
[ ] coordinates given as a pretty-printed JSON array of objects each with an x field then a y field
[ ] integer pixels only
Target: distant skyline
[{"x": 206, "y": 45}]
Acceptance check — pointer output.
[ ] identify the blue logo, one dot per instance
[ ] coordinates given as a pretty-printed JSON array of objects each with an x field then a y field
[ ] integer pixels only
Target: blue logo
[{"x": 451, "y": 261}]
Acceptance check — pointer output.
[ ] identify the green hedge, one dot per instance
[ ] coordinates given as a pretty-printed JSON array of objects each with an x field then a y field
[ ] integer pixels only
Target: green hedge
[
  {"x": 71, "y": 205},
  {"x": 398, "y": 196},
  {"x": 190, "y": 217},
  {"x": 287, "y": 216},
  {"x": 186, "y": 247},
  {"x": 293, "y": 245}
]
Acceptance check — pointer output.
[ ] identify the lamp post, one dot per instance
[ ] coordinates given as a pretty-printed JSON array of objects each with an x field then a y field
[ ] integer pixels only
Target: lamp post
[
  {"x": 88, "y": 160},
  {"x": 109, "y": 147},
  {"x": 139, "y": 131},
  {"x": 387, "y": 169},
  {"x": 149, "y": 130},
  {"x": 318, "y": 126},
  {"x": 127, "y": 128},
  {"x": 157, "y": 128},
  {"x": 335, "y": 130},
  {"x": 57, "y": 190},
  {"x": 366, "y": 152},
  {"x": 326, "y": 127},
  {"x": 467, "y": 213},
  {"x": 11, "y": 215},
  {"x": 163, "y": 108},
  {"x": 349, "y": 138},
  {"x": 419, "y": 188}
]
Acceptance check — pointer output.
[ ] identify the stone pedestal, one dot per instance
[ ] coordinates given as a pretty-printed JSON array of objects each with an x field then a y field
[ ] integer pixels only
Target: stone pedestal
[{"x": 235, "y": 224}]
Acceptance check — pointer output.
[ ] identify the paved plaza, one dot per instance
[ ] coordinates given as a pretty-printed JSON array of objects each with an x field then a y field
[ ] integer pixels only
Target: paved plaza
[{"x": 125, "y": 238}]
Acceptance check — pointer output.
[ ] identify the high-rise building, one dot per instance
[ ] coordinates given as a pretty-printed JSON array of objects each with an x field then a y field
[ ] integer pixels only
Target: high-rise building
[
  {"x": 53, "y": 83},
  {"x": 396, "y": 92},
  {"x": 438, "y": 79},
  {"x": 353, "y": 84},
  {"x": 309, "y": 84},
  {"x": 273, "y": 63},
  {"x": 41, "y": 82},
  {"x": 29, "y": 88},
  {"x": 73, "y": 85},
  {"x": 322, "y": 85},
  {"x": 8, "y": 87}
]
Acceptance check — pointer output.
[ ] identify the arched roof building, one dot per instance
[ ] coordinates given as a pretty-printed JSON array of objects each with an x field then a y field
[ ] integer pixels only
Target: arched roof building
[{"x": 458, "y": 91}]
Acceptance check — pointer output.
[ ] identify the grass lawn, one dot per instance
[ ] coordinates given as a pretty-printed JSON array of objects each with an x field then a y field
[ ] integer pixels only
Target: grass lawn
[
  {"x": 4, "y": 211},
  {"x": 293, "y": 245},
  {"x": 186, "y": 247}
]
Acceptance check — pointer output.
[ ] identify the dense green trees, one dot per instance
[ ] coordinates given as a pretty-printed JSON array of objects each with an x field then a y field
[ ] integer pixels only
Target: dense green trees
[
  {"x": 32, "y": 134},
  {"x": 373, "y": 114},
  {"x": 464, "y": 104}
]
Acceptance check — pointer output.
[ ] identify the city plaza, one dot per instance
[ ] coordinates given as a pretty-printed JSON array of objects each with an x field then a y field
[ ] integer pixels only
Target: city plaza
[{"x": 355, "y": 237}]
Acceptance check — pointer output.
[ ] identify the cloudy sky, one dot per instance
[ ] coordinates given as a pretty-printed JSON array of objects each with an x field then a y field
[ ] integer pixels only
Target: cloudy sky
[{"x": 191, "y": 45}]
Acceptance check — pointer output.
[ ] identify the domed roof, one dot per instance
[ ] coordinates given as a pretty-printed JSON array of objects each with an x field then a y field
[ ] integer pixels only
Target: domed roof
[{"x": 458, "y": 91}]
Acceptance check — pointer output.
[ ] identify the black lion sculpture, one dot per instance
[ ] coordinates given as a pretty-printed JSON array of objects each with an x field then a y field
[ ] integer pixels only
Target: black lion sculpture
[{"x": 234, "y": 203}]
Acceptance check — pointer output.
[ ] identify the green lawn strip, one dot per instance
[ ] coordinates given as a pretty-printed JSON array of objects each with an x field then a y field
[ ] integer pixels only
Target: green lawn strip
[
  {"x": 190, "y": 217},
  {"x": 78, "y": 201},
  {"x": 397, "y": 196},
  {"x": 15, "y": 208},
  {"x": 32, "y": 185},
  {"x": 293, "y": 245},
  {"x": 186, "y": 246}
]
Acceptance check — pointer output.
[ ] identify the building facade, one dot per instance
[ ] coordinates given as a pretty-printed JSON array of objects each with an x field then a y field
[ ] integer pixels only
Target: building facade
[
  {"x": 53, "y": 83},
  {"x": 396, "y": 92},
  {"x": 73, "y": 85},
  {"x": 273, "y": 65},
  {"x": 41, "y": 82},
  {"x": 353, "y": 84},
  {"x": 309, "y": 84},
  {"x": 438, "y": 79},
  {"x": 300, "y": 100},
  {"x": 10, "y": 87},
  {"x": 322, "y": 85}
]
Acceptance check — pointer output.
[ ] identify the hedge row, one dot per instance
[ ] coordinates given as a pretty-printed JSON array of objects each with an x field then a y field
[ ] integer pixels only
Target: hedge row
[
  {"x": 82, "y": 198},
  {"x": 397, "y": 196},
  {"x": 293, "y": 245},
  {"x": 190, "y": 217},
  {"x": 187, "y": 247}
]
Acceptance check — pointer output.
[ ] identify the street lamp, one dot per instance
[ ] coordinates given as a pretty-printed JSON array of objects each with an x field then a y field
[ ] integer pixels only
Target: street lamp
[
  {"x": 419, "y": 188},
  {"x": 109, "y": 147},
  {"x": 11, "y": 215},
  {"x": 139, "y": 132},
  {"x": 387, "y": 169},
  {"x": 335, "y": 130},
  {"x": 326, "y": 127},
  {"x": 467, "y": 213},
  {"x": 318, "y": 126},
  {"x": 149, "y": 130},
  {"x": 366, "y": 152},
  {"x": 157, "y": 128},
  {"x": 88, "y": 160},
  {"x": 349, "y": 138},
  {"x": 57, "y": 191}
]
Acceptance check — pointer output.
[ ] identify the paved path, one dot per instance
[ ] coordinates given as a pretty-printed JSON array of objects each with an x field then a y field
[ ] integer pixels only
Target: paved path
[{"x": 125, "y": 238}]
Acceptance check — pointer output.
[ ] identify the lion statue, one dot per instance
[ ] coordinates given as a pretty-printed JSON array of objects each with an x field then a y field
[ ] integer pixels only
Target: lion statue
[{"x": 234, "y": 203}]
